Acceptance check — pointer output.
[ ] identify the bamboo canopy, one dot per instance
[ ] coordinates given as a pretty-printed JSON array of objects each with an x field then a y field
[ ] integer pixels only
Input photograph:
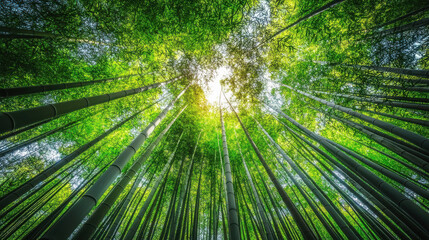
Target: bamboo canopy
[{"x": 210, "y": 120}]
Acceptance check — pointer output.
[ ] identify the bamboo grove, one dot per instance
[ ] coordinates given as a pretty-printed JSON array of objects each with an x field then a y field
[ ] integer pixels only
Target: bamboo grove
[{"x": 229, "y": 119}]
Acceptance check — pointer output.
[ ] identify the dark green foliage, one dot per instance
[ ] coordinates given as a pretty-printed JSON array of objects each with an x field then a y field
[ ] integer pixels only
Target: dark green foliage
[{"x": 321, "y": 133}]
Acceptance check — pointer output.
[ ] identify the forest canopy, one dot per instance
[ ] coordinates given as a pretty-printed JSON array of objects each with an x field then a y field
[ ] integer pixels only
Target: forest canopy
[{"x": 225, "y": 119}]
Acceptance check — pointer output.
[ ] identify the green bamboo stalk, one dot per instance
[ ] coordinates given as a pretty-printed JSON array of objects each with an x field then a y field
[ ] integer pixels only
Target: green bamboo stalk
[{"x": 21, "y": 118}]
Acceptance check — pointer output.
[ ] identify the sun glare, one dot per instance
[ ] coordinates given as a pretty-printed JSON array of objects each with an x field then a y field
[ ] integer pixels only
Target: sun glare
[{"x": 213, "y": 88}]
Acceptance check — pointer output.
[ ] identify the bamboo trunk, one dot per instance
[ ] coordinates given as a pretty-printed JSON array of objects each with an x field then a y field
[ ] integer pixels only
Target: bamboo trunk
[
  {"x": 342, "y": 222},
  {"x": 398, "y": 198},
  {"x": 97, "y": 216},
  {"x": 305, "y": 230},
  {"x": 134, "y": 227},
  {"x": 72, "y": 218},
  {"x": 234, "y": 228},
  {"x": 21, "y": 118},
  {"x": 405, "y": 134},
  {"x": 18, "y": 192},
  {"x": 306, "y": 17},
  {"x": 19, "y": 91}
]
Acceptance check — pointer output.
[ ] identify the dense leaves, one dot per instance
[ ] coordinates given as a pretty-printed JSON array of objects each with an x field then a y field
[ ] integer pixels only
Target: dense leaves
[{"x": 321, "y": 131}]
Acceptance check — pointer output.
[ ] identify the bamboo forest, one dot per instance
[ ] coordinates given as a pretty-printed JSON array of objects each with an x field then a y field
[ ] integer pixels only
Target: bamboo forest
[{"x": 214, "y": 119}]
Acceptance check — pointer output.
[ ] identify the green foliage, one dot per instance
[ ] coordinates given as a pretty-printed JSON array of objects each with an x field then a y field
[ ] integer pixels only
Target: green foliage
[{"x": 360, "y": 49}]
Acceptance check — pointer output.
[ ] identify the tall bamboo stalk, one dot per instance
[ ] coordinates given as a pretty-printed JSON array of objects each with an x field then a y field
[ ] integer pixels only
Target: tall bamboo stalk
[
  {"x": 305, "y": 230},
  {"x": 19, "y": 91},
  {"x": 15, "y": 194},
  {"x": 72, "y": 218},
  {"x": 136, "y": 223},
  {"x": 398, "y": 198},
  {"x": 405, "y": 134},
  {"x": 234, "y": 227},
  {"x": 21, "y": 118},
  {"x": 97, "y": 216}
]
